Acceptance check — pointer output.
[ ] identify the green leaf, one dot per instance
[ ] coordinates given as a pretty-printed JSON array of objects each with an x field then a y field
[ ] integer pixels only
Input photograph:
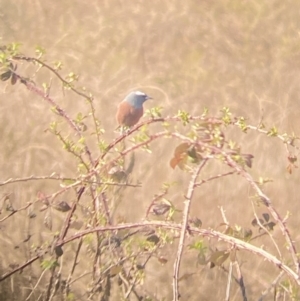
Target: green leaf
[
  {"x": 6, "y": 75},
  {"x": 217, "y": 258},
  {"x": 48, "y": 264},
  {"x": 198, "y": 245},
  {"x": 40, "y": 51},
  {"x": 270, "y": 226},
  {"x": 273, "y": 132},
  {"x": 266, "y": 216},
  {"x": 184, "y": 116}
]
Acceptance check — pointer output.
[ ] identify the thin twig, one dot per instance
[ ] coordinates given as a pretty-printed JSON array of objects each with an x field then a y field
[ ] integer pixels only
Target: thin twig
[
  {"x": 21, "y": 267},
  {"x": 66, "y": 83},
  {"x": 185, "y": 218},
  {"x": 17, "y": 210},
  {"x": 68, "y": 282},
  {"x": 31, "y": 87},
  {"x": 227, "y": 296},
  {"x": 272, "y": 285},
  {"x": 84, "y": 180},
  {"x": 241, "y": 280},
  {"x": 221, "y": 175}
]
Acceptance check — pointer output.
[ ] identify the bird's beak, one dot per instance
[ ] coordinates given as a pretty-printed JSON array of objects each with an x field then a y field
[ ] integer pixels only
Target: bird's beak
[{"x": 148, "y": 97}]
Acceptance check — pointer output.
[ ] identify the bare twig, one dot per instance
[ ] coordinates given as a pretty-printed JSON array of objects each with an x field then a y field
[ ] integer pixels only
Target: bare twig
[
  {"x": 67, "y": 222},
  {"x": 221, "y": 175},
  {"x": 241, "y": 280},
  {"x": 185, "y": 218},
  {"x": 17, "y": 210},
  {"x": 237, "y": 243},
  {"x": 271, "y": 286},
  {"x": 79, "y": 181},
  {"x": 68, "y": 282},
  {"x": 37, "y": 283},
  {"x": 21, "y": 267},
  {"x": 227, "y": 296}
]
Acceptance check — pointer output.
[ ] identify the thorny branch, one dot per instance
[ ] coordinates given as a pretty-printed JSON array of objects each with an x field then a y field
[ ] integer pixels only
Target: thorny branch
[
  {"x": 185, "y": 218},
  {"x": 234, "y": 242}
]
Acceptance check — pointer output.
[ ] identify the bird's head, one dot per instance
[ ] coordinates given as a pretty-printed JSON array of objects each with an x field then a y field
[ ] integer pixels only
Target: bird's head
[{"x": 136, "y": 99}]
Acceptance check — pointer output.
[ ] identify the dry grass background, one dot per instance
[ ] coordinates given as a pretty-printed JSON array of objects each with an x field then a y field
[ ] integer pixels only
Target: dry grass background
[{"x": 185, "y": 54}]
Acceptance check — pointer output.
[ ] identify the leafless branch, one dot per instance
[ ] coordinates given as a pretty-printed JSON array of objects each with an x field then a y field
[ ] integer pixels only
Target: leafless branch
[{"x": 185, "y": 218}]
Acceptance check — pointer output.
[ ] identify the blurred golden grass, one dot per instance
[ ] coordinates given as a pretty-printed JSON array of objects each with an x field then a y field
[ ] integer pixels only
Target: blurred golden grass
[{"x": 185, "y": 54}]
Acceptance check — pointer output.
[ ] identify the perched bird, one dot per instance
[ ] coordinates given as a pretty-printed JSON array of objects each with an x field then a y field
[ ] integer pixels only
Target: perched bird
[{"x": 130, "y": 110}]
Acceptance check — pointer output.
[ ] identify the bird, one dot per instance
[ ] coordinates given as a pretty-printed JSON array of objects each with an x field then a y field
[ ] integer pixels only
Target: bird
[{"x": 130, "y": 110}]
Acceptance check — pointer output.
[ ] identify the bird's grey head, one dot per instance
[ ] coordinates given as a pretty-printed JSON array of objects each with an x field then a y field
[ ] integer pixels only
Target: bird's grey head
[{"x": 136, "y": 99}]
